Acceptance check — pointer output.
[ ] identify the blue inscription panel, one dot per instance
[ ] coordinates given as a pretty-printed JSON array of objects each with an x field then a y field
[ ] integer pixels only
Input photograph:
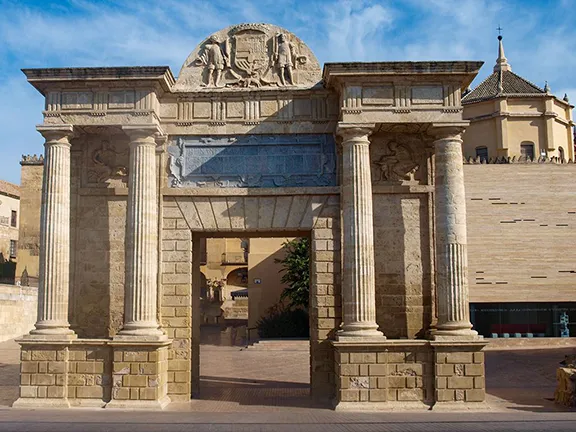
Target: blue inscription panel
[{"x": 253, "y": 161}]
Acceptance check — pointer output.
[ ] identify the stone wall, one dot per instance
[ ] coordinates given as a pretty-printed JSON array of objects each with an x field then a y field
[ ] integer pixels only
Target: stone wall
[
  {"x": 18, "y": 310},
  {"x": 402, "y": 248},
  {"x": 29, "y": 229},
  {"x": 521, "y": 221}
]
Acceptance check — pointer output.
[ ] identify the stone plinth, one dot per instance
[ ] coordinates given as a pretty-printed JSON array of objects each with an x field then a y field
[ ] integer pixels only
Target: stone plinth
[
  {"x": 408, "y": 374},
  {"x": 140, "y": 375},
  {"x": 93, "y": 373}
]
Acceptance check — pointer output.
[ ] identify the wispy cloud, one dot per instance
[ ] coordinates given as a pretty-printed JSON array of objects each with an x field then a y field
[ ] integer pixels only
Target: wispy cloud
[{"x": 539, "y": 38}]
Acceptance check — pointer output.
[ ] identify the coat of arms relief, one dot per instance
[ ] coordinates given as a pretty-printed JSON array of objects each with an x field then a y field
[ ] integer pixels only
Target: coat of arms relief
[{"x": 250, "y": 56}]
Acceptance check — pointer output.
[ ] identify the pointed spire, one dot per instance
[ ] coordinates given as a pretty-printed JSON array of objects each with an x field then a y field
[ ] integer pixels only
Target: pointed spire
[{"x": 501, "y": 61}]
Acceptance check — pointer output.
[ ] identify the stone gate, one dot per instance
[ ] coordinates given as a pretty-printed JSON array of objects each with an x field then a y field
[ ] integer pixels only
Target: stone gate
[{"x": 253, "y": 138}]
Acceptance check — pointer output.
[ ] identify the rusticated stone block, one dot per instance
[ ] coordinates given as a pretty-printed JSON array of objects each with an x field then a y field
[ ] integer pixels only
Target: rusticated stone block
[
  {"x": 362, "y": 358},
  {"x": 474, "y": 369},
  {"x": 444, "y": 370},
  {"x": 413, "y": 394},
  {"x": 443, "y": 395},
  {"x": 349, "y": 395},
  {"x": 475, "y": 395},
  {"x": 459, "y": 357},
  {"x": 460, "y": 382}
]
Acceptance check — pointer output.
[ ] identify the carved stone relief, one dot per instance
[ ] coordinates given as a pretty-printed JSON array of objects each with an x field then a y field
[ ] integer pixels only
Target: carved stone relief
[
  {"x": 400, "y": 159},
  {"x": 250, "y": 55},
  {"x": 252, "y": 161},
  {"x": 106, "y": 163}
]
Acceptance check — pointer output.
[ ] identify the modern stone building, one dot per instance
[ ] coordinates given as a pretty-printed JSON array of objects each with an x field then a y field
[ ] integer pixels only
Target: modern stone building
[{"x": 252, "y": 140}]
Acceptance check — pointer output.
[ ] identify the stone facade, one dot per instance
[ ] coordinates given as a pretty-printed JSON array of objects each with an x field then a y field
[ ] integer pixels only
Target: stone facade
[
  {"x": 139, "y": 168},
  {"x": 29, "y": 229},
  {"x": 9, "y": 215}
]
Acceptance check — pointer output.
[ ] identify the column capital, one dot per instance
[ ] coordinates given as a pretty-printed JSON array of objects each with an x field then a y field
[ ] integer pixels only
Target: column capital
[
  {"x": 142, "y": 131},
  {"x": 350, "y": 131},
  {"x": 60, "y": 133},
  {"x": 448, "y": 131}
]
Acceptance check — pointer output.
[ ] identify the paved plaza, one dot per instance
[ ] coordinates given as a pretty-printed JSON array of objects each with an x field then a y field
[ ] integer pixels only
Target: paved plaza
[{"x": 251, "y": 389}]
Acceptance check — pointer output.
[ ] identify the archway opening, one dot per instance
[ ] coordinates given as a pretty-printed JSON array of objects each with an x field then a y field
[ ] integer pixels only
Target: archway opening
[{"x": 254, "y": 346}]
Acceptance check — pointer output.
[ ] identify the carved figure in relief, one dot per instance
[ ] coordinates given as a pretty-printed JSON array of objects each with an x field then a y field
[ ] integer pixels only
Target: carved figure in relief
[
  {"x": 215, "y": 58},
  {"x": 106, "y": 158},
  {"x": 397, "y": 163},
  {"x": 177, "y": 164},
  {"x": 283, "y": 56}
]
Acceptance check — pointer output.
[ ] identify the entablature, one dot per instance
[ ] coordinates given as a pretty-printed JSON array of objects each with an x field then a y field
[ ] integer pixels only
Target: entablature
[
  {"x": 400, "y": 92},
  {"x": 101, "y": 95}
]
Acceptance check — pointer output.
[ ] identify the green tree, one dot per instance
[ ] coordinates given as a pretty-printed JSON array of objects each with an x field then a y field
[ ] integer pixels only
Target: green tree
[{"x": 296, "y": 268}]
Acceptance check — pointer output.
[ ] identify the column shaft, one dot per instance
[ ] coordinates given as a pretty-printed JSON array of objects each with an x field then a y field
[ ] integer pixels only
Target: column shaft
[
  {"x": 358, "y": 290},
  {"x": 54, "y": 277},
  {"x": 451, "y": 242},
  {"x": 141, "y": 291}
]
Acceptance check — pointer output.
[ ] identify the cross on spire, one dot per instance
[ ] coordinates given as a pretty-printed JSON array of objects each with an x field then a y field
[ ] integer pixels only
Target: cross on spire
[{"x": 499, "y": 30}]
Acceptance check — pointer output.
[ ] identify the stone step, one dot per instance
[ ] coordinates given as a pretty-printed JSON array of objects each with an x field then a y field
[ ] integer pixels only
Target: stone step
[{"x": 280, "y": 345}]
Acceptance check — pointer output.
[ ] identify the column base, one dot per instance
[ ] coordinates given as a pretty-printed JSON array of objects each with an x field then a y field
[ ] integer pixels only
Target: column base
[
  {"x": 359, "y": 332},
  {"x": 140, "y": 334},
  {"x": 439, "y": 334},
  {"x": 121, "y": 337},
  {"x": 55, "y": 337}
]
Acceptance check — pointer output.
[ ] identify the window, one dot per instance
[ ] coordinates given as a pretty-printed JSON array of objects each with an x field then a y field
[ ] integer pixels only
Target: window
[
  {"x": 561, "y": 154},
  {"x": 482, "y": 153},
  {"x": 527, "y": 149},
  {"x": 14, "y": 218},
  {"x": 12, "y": 248}
]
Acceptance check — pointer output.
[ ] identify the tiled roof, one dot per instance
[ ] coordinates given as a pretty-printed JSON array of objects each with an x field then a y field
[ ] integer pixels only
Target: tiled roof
[
  {"x": 7, "y": 188},
  {"x": 512, "y": 85}
]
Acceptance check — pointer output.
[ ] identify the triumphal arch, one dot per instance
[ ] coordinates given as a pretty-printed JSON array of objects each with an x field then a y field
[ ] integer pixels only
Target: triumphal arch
[{"x": 254, "y": 137}]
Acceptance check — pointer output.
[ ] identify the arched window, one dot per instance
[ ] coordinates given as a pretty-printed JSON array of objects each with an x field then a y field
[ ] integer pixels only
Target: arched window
[
  {"x": 561, "y": 154},
  {"x": 527, "y": 149},
  {"x": 482, "y": 153}
]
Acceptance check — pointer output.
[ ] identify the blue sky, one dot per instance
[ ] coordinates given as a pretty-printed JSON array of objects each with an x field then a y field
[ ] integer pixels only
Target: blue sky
[{"x": 539, "y": 37}]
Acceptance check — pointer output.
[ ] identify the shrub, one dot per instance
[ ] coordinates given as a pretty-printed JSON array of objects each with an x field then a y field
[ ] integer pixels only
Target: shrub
[{"x": 284, "y": 322}]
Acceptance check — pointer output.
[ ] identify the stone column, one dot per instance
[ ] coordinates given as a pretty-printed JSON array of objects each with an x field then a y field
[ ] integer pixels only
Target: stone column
[
  {"x": 54, "y": 277},
  {"x": 141, "y": 285},
  {"x": 451, "y": 243},
  {"x": 358, "y": 279}
]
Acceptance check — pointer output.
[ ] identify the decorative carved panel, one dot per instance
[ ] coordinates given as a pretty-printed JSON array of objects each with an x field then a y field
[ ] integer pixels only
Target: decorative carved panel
[
  {"x": 250, "y": 56},
  {"x": 253, "y": 161},
  {"x": 399, "y": 158}
]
